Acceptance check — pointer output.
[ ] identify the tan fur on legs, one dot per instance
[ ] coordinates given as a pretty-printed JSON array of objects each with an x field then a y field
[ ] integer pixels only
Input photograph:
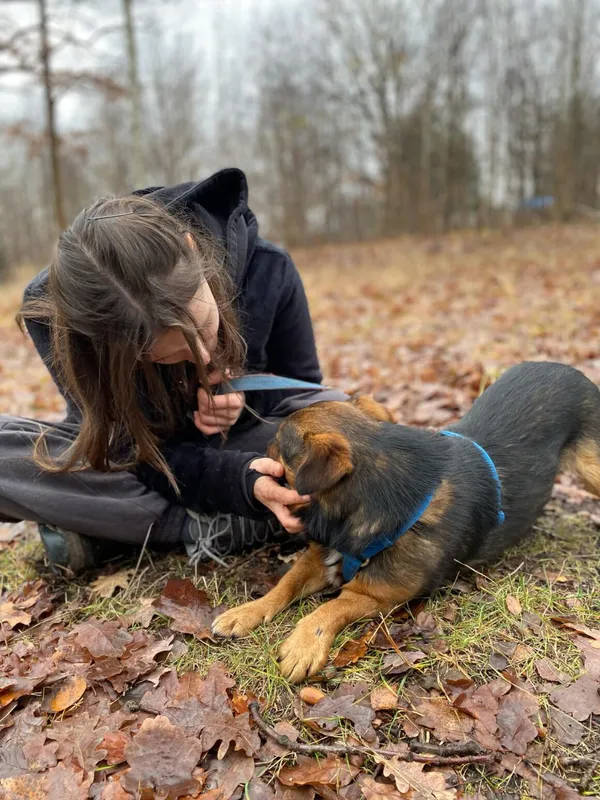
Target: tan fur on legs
[
  {"x": 306, "y": 650},
  {"x": 584, "y": 459},
  {"x": 307, "y": 576}
]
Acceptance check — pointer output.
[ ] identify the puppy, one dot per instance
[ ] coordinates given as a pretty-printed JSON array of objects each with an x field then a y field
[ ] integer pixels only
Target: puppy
[{"x": 395, "y": 510}]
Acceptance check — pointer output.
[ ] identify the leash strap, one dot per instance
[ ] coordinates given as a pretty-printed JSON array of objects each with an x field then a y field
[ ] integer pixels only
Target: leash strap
[
  {"x": 492, "y": 467},
  {"x": 263, "y": 382},
  {"x": 351, "y": 564}
]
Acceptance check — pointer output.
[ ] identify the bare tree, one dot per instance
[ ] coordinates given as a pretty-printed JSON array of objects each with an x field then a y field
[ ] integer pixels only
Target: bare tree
[{"x": 135, "y": 95}]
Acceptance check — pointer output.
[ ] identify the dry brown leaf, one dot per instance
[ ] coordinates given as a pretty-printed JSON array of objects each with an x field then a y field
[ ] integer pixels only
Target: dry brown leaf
[
  {"x": 78, "y": 740},
  {"x": 400, "y": 662},
  {"x": 330, "y": 771},
  {"x": 14, "y": 687},
  {"x": 66, "y": 694},
  {"x": 142, "y": 615},
  {"x": 549, "y": 672},
  {"x": 409, "y": 775},
  {"x": 447, "y": 722},
  {"x": 328, "y": 712},
  {"x": 516, "y": 729},
  {"x": 591, "y": 655},
  {"x": 239, "y": 701},
  {"x": 257, "y": 790},
  {"x": 352, "y": 651},
  {"x": 191, "y": 701},
  {"x": 162, "y": 758},
  {"x": 564, "y": 728},
  {"x": 139, "y": 664},
  {"x": 107, "y": 585},
  {"x": 224, "y": 776},
  {"x": 580, "y": 699},
  {"x": 373, "y": 789},
  {"x": 578, "y": 627},
  {"x": 271, "y": 748},
  {"x": 114, "y": 743},
  {"x": 188, "y": 608},
  {"x": 12, "y": 616},
  {"x": 102, "y": 638},
  {"x": 227, "y": 729},
  {"x": 39, "y": 754},
  {"x": 293, "y": 792},
  {"x": 383, "y": 699},
  {"x": 513, "y": 605},
  {"x": 114, "y": 791},
  {"x": 65, "y": 782},
  {"x": 24, "y": 787}
]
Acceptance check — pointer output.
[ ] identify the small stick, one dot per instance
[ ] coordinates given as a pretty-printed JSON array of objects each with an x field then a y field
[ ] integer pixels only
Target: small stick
[
  {"x": 587, "y": 776},
  {"x": 347, "y": 750},
  {"x": 454, "y": 749},
  {"x": 584, "y": 761}
]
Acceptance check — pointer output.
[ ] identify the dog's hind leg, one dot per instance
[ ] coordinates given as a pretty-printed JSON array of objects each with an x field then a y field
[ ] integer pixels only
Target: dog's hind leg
[
  {"x": 584, "y": 458},
  {"x": 308, "y": 575}
]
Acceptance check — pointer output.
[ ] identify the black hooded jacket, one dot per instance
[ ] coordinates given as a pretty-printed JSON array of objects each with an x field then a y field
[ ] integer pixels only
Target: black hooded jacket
[{"x": 276, "y": 326}]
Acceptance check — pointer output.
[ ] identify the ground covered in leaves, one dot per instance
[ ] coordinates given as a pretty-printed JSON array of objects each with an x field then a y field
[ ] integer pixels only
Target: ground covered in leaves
[{"x": 110, "y": 686}]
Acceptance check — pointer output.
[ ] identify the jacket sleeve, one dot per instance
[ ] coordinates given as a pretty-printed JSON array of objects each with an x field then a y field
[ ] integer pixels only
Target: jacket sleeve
[
  {"x": 291, "y": 348},
  {"x": 209, "y": 480}
]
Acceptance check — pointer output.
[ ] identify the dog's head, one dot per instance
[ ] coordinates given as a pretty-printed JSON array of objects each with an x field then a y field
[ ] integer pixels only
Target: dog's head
[{"x": 316, "y": 443}]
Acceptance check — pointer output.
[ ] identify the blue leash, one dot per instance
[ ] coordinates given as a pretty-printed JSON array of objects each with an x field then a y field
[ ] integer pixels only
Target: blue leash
[
  {"x": 351, "y": 564},
  {"x": 263, "y": 382}
]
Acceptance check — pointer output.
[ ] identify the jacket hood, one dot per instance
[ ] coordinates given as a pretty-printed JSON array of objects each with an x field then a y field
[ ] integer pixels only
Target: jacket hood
[{"x": 218, "y": 204}]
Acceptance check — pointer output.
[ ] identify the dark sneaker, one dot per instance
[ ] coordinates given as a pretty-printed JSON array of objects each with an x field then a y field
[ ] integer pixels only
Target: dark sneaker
[
  {"x": 72, "y": 552},
  {"x": 212, "y": 536}
]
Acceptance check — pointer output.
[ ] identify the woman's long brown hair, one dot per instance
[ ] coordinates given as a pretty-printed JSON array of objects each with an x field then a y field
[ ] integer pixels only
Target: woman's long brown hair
[{"x": 124, "y": 273}]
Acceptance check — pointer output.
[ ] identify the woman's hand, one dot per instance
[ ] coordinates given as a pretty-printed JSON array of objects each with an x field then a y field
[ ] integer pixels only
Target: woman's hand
[
  {"x": 275, "y": 497},
  {"x": 217, "y": 413}
]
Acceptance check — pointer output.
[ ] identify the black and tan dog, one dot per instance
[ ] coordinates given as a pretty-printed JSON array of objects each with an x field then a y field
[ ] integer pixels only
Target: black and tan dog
[{"x": 419, "y": 503}]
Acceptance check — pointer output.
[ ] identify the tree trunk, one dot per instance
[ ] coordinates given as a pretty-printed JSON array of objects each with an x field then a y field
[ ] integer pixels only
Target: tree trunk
[
  {"x": 59, "y": 212},
  {"x": 135, "y": 94}
]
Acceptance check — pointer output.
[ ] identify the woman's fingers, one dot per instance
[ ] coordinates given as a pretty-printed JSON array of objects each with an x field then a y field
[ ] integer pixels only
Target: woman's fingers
[
  {"x": 206, "y": 428},
  {"x": 218, "y": 413},
  {"x": 220, "y": 402},
  {"x": 267, "y": 466},
  {"x": 272, "y": 492},
  {"x": 286, "y": 518}
]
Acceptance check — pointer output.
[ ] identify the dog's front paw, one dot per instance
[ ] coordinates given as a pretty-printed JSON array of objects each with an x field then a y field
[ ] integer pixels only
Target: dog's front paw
[
  {"x": 304, "y": 652},
  {"x": 242, "y": 620}
]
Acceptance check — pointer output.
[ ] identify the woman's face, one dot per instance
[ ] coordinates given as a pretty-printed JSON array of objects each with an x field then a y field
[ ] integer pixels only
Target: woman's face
[{"x": 171, "y": 347}]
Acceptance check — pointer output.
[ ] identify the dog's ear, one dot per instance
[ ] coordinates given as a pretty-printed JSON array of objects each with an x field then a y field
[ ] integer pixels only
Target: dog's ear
[
  {"x": 372, "y": 408},
  {"x": 273, "y": 450},
  {"x": 327, "y": 460}
]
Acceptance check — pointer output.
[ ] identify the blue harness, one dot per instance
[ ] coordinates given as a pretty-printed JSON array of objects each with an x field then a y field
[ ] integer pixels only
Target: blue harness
[{"x": 351, "y": 564}]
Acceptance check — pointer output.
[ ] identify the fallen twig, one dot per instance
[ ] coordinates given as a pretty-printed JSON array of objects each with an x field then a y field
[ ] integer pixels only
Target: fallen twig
[
  {"x": 583, "y": 761},
  {"x": 435, "y": 754},
  {"x": 444, "y": 750},
  {"x": 548, "y": 777},
  {"x": 587, "y": 776},
  {"x": 591, "y": 764}
]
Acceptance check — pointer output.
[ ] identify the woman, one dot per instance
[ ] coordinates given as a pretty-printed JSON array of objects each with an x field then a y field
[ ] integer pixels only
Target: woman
[{"x": 150, "y": 301}]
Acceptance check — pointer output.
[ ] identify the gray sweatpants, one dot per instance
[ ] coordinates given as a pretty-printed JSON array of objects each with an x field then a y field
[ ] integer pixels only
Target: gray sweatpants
[{"x": 107, "y": 505}]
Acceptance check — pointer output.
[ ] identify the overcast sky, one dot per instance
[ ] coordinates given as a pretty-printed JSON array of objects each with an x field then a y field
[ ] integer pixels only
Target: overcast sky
[{"x": 211, "y": 27}]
